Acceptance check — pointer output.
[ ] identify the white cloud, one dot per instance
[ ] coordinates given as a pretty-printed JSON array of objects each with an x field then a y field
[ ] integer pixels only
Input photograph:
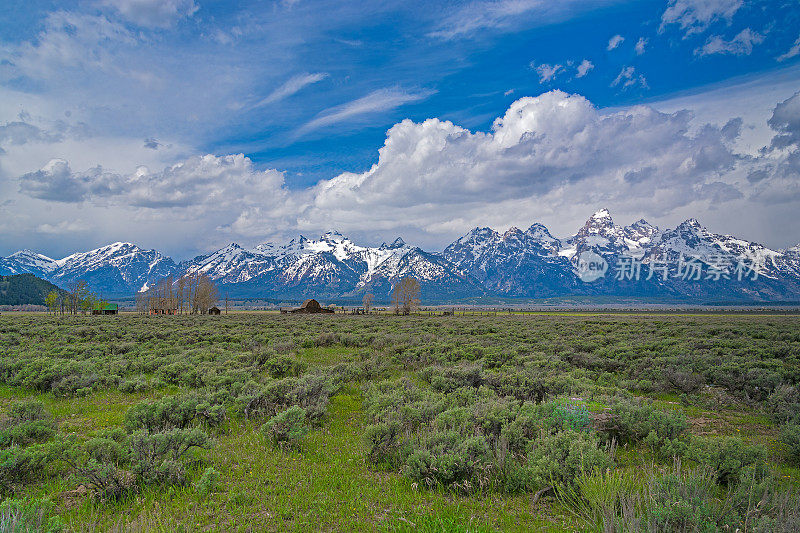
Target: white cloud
[
  {"x": 785, "y": 120},
  {"x": 551, "y": 157},
  {"x": 201, "y": 182},
  {"x": 153, "y": 13},
  {"x": 544, "y": 153},
  {"x": 69, "y": 41},
  {"x": 65, "y": 227},
  {"x": 695, "y": 16},
  {"x": 614, "y": 42},
  {"x": 741, "y": 44},
  {"x": 791, "y": 52},
  {"x": 546, "y": 71},
  {"x": 292, "y": 86},
  {"x": 375, "y": 102},
  {"x": 584, "y": 68},
  {"x": 640, "y": 45},
  {"x": 628, "y": 77},
  {"x": 469, "y": 18},
  {"x": 478, "y": 15}
]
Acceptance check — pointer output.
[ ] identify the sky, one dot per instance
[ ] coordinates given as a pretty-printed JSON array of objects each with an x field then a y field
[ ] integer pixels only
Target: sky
[{"x": 183, "y": 125}]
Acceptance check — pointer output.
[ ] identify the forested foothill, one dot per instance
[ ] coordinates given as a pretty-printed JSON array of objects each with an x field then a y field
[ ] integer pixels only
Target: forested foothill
[{"x": 255, "y": 421}]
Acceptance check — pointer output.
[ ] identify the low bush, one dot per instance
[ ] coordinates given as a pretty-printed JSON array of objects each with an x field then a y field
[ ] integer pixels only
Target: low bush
[
  {"x": 790, "y": 437},
  {"x": 27, "y": 423},
  {"x": 287, "y": 427},
  {"x": 729, "y": 457},
  {"x": 208, "y": 482},
  {"x": 28, "y": 515}
]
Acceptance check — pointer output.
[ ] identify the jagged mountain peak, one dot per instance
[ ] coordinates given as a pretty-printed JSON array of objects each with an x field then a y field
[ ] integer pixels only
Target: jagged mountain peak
[
  {"x": 602, "y": 214},
  {"x": 27, "y": 252},
  {"x": 515, "y": 262},
  {"x": 690, "y": 223},
  {"x": 333, "y": 236}
]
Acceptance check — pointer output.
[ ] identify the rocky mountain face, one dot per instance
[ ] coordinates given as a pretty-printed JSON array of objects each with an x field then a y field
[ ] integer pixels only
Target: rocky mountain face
[{"x": 688, "y": 263}]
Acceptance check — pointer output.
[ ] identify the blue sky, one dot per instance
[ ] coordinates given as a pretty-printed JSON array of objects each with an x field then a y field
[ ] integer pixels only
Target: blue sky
[{"x": 185, "y": 124}]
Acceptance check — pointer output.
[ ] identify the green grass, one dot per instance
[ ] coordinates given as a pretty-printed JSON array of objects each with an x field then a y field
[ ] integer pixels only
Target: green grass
[{"x": 326, "y": 483}]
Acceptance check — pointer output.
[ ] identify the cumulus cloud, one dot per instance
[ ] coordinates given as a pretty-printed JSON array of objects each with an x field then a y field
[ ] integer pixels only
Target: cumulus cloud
[
  {"x": 628, "y": 77},
  {"x": 741, "y": 44},
  {"x": 375, "y": 102},
  {"x": 546, "y": 154},
  {"x": 785, "y": 120},
  {"x": 584, "y": 68},
  {"x": 19, "y": 132},
  {"x": 550, "y": 146},
  {"x": 640, "y": 45},
  {"x": 55, "y": 182},
  {"x": 695, "y": 16},
  {"x": 292, "y": 86},
  {"x": 791, "y": 52},
  {"x": 204, "y": 182},
  {"x": 153, "y": 13},
  {"x": 614, "y": 42},
  {"x": 546, "y": 71}
]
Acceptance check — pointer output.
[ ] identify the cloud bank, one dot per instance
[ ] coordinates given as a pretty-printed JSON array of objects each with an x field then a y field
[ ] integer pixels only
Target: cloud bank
[{"x": 553, "y": 153}]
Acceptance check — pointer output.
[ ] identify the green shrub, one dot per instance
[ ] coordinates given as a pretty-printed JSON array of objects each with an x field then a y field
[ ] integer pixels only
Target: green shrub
[
  {"x": 24, "y": 465},
  {"x": 449, "y": 461},
  {"x": 561, "y": 457},
  {"x": 281, "y": 366},
  {"x": 384, "y": 445},
  {"x": 637, "y": 419},
  {"x": 784, "y": 404},
  {"x": 208, "y": 482},
  {"x": 156, "y": 457},
  {"x": 684, "y": 500},
  {"x": 728, "y": 457},
  {"x": 790, "y": 437},
  {"x": 28, "y": 422},
  {"x": 28, "y": 515},
  {"x": 287, "y": 427}
]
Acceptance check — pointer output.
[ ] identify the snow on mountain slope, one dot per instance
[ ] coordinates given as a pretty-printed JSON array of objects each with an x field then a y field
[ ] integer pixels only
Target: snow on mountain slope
[
  {"x": 515, "y": 263},
  {"x": 118, "y": 268},
  {"x": 27, "y": 261},
  {"x": 691, "y": 240}
]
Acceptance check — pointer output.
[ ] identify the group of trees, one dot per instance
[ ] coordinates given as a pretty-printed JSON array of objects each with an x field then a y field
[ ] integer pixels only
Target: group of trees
[
  {"x": 405, "y": 296},
  {"x": 77, "y": 298},
  {"x": 190, "y": 294}
]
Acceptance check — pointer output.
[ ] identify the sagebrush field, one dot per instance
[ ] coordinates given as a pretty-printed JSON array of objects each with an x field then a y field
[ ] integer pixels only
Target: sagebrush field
[{"x": 253, "y": 422}]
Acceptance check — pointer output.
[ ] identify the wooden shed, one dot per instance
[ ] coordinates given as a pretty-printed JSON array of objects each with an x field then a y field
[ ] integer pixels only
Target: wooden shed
[
  {"x": 105, "y": 309},
  {"x": 214, "y": 311}
]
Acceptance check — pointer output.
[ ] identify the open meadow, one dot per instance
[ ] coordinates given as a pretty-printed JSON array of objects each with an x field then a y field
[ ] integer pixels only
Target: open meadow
[{"x": 264, "y": 422}]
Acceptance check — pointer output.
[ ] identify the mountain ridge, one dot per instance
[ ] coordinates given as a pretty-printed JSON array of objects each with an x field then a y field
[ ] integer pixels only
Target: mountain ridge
[{"x": 516, "y": 263}]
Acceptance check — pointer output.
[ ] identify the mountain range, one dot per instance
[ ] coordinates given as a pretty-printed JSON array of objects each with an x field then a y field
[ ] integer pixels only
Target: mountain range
[{"x": 688, "y": 263}]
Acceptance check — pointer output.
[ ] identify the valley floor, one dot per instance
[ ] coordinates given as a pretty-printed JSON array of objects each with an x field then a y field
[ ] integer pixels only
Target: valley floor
[{"x": 465, "y": 423}]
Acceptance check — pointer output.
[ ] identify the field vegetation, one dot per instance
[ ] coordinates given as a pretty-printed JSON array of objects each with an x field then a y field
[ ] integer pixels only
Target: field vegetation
[{"x": 252, "y": 422}]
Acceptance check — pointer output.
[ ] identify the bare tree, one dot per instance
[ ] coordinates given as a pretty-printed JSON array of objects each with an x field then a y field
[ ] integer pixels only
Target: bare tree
[
  {"x": 405, "y": 296},
  {"x": 366, "y": 302}
]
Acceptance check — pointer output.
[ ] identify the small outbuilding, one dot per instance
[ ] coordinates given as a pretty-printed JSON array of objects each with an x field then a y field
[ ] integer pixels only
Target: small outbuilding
[
  {"x": 309, "y": 306},
  {"x": 105, "y": 309},
  {"x": 214, "y": 311}
]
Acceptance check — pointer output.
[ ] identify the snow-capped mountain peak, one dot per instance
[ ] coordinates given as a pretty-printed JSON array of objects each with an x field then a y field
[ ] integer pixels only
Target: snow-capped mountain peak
[{"x": 516, "y": 263}]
